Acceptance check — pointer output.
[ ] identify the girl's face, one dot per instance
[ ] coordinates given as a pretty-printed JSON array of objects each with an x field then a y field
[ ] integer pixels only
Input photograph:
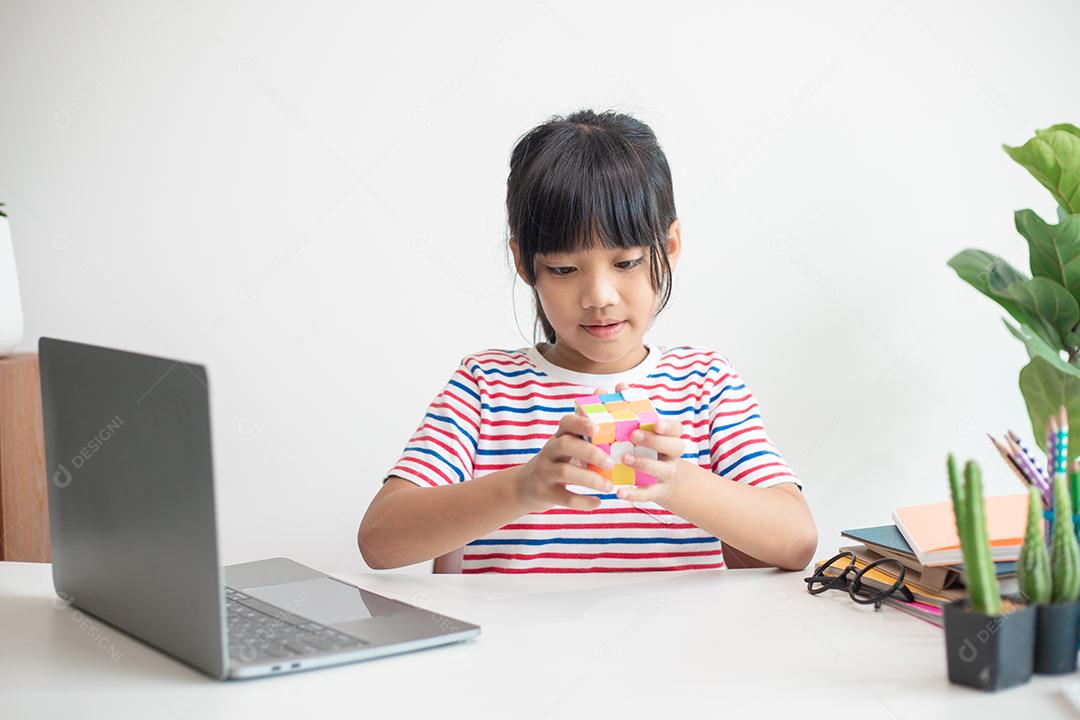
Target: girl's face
[{"x": 580, "y": 291}]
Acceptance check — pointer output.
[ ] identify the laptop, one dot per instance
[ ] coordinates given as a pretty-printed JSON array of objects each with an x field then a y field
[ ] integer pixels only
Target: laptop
[{"x": 134, "y": 531}]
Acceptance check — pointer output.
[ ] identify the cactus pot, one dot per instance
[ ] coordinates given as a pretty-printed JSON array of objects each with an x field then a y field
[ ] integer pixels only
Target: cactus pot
[
  {"x": 1056, "y": 630},
  {"x": 990, "y": 652}
]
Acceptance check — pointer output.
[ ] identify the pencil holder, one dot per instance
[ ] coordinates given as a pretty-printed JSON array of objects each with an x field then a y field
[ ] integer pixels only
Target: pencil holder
[{"x": 1048, "y": 516}]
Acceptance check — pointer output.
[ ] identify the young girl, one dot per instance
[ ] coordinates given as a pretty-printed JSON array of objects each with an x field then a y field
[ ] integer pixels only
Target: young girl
[{"x": 494, "y": 479}]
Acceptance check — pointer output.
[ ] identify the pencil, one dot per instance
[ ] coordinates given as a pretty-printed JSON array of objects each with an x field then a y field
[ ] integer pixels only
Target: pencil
[
  {"x": 1074, "y": 486},
  {"x": 1063, "y": 441},
  {"x": 1031, "y": 469},
  {"x": 1013, "y": 464},
  {"x": 1051, "y": 445},
  {"x": 1027, "y": 453}
]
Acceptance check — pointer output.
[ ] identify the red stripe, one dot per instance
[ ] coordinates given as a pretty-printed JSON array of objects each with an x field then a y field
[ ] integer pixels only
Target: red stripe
[
  {"x": 739, "y": 447},
  {"x": 465, "y": 403},
  {"x": 493, "y": 361},
  {"x": 754, "y": 469},
  {"x": 598, "y": 526},
  {"x": 436, "y": 441},
  {"x": 571, "y": 511},
  {"x": 544, "y": 436},
  {"x": 667, "y": 362},
  {"x": 741, "y": 411},
  {"x": 428, "y": 465},
  {"x": 746, "y": 429},
  {"x": 400, "y": 469},
  {"x": 587, "y": 556},
  {"x": 707, "y": 566},
  {"x": 769, "y": 477}
]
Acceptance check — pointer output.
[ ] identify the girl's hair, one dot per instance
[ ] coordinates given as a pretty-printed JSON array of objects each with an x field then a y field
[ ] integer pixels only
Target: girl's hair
[{"x": 587, "y": 178}]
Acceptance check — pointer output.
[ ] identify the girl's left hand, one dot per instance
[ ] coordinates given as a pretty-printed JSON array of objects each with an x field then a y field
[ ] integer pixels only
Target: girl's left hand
[{"x": 667, "y": 441}]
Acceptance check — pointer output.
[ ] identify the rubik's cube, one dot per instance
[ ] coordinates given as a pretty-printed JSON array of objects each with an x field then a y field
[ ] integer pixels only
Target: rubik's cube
[{"x": 617, "y": 415}]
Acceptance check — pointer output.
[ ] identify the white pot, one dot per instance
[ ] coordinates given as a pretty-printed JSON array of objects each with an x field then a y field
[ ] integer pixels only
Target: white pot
[{"x": 11, "y": 317}]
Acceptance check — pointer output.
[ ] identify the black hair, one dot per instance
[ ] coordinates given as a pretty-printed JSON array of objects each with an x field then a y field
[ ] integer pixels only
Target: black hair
[{"x": 587, "y": 178}]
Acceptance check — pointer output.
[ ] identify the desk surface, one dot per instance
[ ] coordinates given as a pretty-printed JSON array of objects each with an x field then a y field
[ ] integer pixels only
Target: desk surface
[{"x": 635, "y": 644}]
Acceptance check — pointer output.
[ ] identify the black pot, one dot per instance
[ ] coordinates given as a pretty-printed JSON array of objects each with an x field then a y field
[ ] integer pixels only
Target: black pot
[
  {"x": 1056, "y": 631},
  {"x": 989, "y": 652}
]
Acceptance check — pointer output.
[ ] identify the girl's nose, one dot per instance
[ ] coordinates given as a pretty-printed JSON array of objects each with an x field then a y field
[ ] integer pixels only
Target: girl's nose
[{"x": 601, "y": 292}]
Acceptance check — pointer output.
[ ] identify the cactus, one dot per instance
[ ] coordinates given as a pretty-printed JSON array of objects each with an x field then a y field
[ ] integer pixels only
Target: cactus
[
  {"x": 1064, "y": 548},
  {"x": 984, "y": 595},
  {"x": 1034, "y": 565}
]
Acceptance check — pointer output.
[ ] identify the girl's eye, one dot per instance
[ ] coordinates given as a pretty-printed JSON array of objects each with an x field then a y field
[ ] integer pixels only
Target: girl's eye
[{"x": 624, "y": 265}]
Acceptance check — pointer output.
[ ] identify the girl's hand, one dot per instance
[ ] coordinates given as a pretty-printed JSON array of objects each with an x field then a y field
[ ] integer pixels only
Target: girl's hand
[
  {"x": 542, "y": 481},
  {"x": 667, "y": 441}
]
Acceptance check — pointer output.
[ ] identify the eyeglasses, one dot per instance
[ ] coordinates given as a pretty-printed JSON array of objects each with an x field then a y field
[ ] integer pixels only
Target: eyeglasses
[{"x": 851, "y": 580}]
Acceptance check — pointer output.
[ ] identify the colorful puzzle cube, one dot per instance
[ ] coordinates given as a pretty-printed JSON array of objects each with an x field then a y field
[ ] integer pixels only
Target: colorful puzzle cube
[{"x": 617, "y": 415}]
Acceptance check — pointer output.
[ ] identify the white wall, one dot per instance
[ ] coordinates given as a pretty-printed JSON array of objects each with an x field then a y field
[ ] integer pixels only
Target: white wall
[{"x": 306, "y": 197}]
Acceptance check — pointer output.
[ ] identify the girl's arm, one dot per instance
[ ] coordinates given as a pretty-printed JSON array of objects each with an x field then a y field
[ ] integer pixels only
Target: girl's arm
[
  {"x": 406, "y": 524},
  {"x": 772, "y": 524}
]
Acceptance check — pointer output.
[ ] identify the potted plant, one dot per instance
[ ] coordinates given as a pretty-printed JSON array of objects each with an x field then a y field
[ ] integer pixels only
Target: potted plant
[
  {"x": 989, "y": 640},
  {"x": 11, "y": 319},
  {"x": 1046, "y": 304},
  {"x": 1051, "y": 581}
]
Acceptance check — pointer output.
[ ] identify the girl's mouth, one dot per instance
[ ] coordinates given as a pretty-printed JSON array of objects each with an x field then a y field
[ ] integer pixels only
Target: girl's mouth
[{"x": 604, "y": 331}]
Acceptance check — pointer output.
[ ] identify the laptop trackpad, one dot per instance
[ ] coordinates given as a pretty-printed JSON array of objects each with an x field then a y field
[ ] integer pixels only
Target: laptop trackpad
[{"x": 325, "y": 600}]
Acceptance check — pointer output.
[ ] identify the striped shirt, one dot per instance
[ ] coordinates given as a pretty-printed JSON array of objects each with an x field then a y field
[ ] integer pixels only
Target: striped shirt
[{"x": 500, "y": 407}]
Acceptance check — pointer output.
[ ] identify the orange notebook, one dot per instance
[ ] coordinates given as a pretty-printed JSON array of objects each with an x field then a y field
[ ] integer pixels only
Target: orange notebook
[{"x": 931, "y": 529}]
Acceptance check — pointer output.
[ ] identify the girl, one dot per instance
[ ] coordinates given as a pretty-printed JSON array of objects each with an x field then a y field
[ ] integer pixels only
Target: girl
[{"x": 494, "y": 479}]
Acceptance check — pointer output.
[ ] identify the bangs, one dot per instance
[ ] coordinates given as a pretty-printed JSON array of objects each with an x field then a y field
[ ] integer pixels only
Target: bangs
[{"x": 582, "y": 189}]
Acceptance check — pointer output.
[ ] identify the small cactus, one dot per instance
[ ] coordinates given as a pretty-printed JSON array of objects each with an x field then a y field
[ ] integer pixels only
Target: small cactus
[
  {"x": 1034, "y": 566},
  {"x": 984, "y": 594},
  {"x": 1064, "y": 548}
]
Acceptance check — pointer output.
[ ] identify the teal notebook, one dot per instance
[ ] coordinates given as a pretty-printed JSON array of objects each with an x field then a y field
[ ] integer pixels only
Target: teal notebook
[{"x": 888, "y": 536}]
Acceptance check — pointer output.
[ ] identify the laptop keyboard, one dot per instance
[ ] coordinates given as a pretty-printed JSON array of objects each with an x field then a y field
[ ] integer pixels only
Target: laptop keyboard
[{"x": 259, "y": 631}]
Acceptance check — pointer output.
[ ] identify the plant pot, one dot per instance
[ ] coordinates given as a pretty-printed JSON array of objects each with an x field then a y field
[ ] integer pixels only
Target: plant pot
[
  {"x": 11, "y": 318},
  {"x": 990, "y": 652},
  {"x": 1056, "y": 629}
]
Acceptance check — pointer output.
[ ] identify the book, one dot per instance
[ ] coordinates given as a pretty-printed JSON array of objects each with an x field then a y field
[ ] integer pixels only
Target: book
[
  {"x": 887, "y": 541},
  {"x": 930, "y": 529}
]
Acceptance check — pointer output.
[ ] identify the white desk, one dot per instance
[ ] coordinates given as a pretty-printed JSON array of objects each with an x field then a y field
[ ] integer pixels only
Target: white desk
[{"x": 720, "y": 644}]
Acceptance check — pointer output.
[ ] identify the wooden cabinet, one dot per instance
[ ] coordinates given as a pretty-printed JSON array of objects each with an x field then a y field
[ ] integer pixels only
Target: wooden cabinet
[{"x": 24, "y": 510}]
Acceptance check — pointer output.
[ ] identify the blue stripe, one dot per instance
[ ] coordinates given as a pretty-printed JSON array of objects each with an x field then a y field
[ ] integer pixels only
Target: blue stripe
[
  {"x": 457, "y": 471},
  {"x": 744, "y": 458},
  {"x": 593, "y": 541},
  {"x": 466, "y": 389},
  {"x": 721, "y": 428},
  {"x": 530, "y": 408},
  {"x": 504, "y": 373},
  {"x": 453, "y": 422},
  {"x": 716, "y": 397},
  {"x": 509, "y": 451},
  {"x": 683, "y": 377}
]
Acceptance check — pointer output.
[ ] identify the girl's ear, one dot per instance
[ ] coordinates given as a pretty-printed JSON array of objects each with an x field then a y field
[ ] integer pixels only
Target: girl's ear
[
  {"x": 517, "y": 261},
  {"x": 674, "y": 243}
]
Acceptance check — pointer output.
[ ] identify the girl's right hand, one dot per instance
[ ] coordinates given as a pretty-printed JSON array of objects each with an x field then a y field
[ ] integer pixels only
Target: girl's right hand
[{"x": 542, "y": 481}]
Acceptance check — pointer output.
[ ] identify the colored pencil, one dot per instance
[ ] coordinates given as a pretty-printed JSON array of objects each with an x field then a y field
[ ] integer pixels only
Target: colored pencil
[
  {"x": 1030, "y": 457},
  {"x": 1015, "y": 466},
  {"x": 1074, "y": 486}
]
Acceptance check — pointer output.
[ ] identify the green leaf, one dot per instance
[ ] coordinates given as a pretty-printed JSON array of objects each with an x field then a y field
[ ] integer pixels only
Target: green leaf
[
  {"x": 1051, "y": 311},
  {"x": 1037, "y": 347},
  {"x": 1061, "y": 127},
  {"x": 1045, "y": 389},
  {"x": 1054, "y": 250},
  {"x": 1053, "y": 158},
  {"x": 976, "y": 267}
]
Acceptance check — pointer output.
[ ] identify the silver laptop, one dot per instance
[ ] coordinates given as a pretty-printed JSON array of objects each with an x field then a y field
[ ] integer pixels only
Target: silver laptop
[{"x": 134, "y": 538}]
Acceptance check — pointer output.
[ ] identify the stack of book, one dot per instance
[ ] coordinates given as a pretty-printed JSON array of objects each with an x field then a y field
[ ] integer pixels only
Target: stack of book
[{"x": 923, "y": 539}]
